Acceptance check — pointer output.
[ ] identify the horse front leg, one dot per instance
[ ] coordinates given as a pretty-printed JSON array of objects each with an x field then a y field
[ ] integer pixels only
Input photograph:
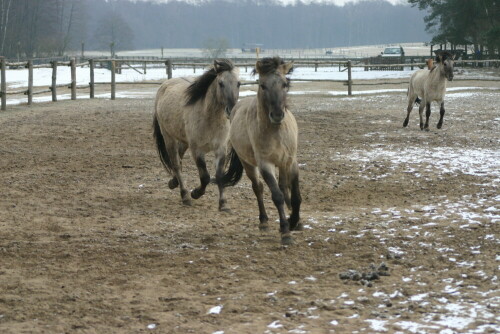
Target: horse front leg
[
  {"x": 441, "y": 113},
  {"x": 220, "y": 158},
  {"x": 296, "y": 200},
  {"x": 285, "y": 186},
  {"x": 258, "y": 190},
  {"x": 267, "y": 172},
  {"x": 427, "y": 115},
  {"x": 199, "y": 159}
]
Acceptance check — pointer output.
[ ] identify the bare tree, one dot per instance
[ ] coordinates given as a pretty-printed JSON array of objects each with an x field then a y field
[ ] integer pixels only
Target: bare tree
[{"x": 215, "y": 47}]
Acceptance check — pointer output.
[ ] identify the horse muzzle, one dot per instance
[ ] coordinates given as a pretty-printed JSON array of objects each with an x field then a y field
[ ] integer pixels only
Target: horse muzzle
[{"x": 276, "y": 119}]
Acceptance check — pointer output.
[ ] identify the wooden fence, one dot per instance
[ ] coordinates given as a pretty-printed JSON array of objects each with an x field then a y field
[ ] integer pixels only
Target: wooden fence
[{"x": 115, "y": 65}]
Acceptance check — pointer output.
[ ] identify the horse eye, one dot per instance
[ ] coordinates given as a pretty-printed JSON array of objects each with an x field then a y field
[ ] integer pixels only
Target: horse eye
[
  {"x": 263, "y": 87},
  {"x": 221, "y": 84}
]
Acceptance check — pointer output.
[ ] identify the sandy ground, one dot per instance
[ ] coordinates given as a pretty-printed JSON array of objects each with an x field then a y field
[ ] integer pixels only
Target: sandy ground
[{"x": 401, "y": 225}]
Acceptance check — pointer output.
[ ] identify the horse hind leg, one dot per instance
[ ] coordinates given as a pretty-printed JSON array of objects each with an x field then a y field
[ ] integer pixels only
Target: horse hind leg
[
  {"x": 174, "y": 183},
  {"x": 258, "y": 190},
  {"x": 427, "y": 115},
  {"x": 173, "y": 151},
  {"x": 441, "y": 116},
  {"x": 411, "y": 101},
  {"x": 421, "y": 115}
]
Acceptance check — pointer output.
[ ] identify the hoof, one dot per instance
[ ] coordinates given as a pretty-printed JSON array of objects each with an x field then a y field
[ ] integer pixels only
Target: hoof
[
  {"x": 439, "y": 126},
  {"x": 187, "y": 202},
  {"x": 426, "y": 129},
  {"x": 225, "y": 209},
  {"x": 286, "y": 239},
  {"x": 173, "y": 183},
  {"x": 196, "y": 193},
  {"x": 264, "y": 227},
  {"x": 405, "y": 124},
  {"x": 298, "y": 227}
]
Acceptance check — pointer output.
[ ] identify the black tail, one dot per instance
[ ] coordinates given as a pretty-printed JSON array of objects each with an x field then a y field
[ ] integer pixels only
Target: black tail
[
  {"x": 417, "y": 101},
  {"x": 160, "y": 145},
  {"x": 233, "y": 174}
]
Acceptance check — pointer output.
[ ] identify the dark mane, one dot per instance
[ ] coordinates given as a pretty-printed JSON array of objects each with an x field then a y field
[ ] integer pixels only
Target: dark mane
[
  {"x": 198, "y": 89},
  {"x": 268, "y": 65},
  {"x": 444, "y": 54}
]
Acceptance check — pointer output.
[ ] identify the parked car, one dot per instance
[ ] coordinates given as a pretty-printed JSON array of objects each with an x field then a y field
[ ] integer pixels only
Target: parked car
[{"x": 393, "y": 52}]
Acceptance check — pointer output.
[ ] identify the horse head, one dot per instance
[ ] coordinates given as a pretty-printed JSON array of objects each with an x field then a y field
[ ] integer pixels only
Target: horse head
[
  {"x": 447, "y": 62},
  {"x": 228, "y": 84},
  {"x": 273, "y": 86}
]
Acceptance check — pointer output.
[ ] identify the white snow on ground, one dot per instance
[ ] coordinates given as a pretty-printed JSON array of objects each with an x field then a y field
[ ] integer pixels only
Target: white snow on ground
[{"x": 447, "y": 160}]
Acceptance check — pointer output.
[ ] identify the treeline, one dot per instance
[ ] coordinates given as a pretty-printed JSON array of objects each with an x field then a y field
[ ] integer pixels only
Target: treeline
[
  {"x": 31, "y": 27},
  {"x": 182, "y": 25},
  {"x": 463, "y": 22},
  {"x": 35, "y": 28}
]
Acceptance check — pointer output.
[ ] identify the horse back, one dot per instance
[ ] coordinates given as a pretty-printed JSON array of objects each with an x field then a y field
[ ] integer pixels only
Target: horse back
[{"x": 170, "y": 107}]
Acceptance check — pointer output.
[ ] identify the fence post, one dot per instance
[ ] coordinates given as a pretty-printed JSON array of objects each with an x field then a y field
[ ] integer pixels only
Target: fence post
[
  {"x": 3, "y": 85},
  {"x": 30, "y": 81},
  {"x": 72, "y": 63},
  {"x": 91, "y": 84},
  {"x": 169, "y": 68},
  {"x": 113, "y": 79},
  {"x": 316, "y": 67},
  {"x": 144, "y": 67},
  {"x": 349, "y": 78},
  {"x": 53, "y": 88}
]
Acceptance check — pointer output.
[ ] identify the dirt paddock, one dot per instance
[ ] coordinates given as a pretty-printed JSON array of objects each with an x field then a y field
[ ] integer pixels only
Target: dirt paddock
[{"x": 401, "y": 225}]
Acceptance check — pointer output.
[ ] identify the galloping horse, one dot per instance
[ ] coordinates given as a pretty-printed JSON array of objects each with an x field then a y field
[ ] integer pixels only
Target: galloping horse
[
  {"x": 430, "y": 85},
  {"x": 263, "y": 136},
  {"x": 193, "y": 113}
]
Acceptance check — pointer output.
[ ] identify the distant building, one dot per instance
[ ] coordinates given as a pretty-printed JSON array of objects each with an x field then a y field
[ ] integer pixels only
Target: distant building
[{"x": 252, "y": 47}]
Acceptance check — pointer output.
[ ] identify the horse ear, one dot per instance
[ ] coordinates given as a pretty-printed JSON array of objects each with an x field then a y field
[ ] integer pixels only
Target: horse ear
[
  {"x": 216, "y": 66},
  {"x": 287, "y": 68}
]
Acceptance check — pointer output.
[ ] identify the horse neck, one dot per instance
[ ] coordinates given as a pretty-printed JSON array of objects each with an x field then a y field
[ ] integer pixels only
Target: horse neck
[
  {"x": 210, "y": 103},
  {"x": 437, "y": 77}
]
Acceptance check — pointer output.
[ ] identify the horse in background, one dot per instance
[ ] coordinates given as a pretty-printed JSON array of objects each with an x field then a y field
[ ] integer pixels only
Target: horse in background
[
  {"x": 429, "y": 85},
  {"x": 264, "y": 136},
  {"x": 193, "y": 113}
]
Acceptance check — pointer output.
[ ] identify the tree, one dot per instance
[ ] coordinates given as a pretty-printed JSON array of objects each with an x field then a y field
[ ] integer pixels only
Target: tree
[
  {"x": 215, "y": 47},
  {"x": 463, "y": 21},
  {"x": 112, "y": 29}
]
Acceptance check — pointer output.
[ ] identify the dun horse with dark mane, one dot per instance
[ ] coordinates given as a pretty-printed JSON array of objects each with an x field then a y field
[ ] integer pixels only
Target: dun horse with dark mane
[
  {"x": 430, "y": 85},
  {"x": 193, "y": 113},
  {"x": 264, "y": 136}
]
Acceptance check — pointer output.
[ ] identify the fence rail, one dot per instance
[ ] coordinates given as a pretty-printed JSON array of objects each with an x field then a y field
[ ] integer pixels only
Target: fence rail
[{"x": 116, "y": 65}]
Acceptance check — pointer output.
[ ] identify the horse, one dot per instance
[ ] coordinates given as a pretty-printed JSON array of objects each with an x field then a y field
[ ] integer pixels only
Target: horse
[
  {"x": 430, "y": 85},
  {"x": 263, "y": 136},
  {"x": 194, "y": 113}
]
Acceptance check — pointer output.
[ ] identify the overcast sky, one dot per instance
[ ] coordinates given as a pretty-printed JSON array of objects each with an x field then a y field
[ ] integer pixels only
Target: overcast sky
[{"x": 291, "y": 2}]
